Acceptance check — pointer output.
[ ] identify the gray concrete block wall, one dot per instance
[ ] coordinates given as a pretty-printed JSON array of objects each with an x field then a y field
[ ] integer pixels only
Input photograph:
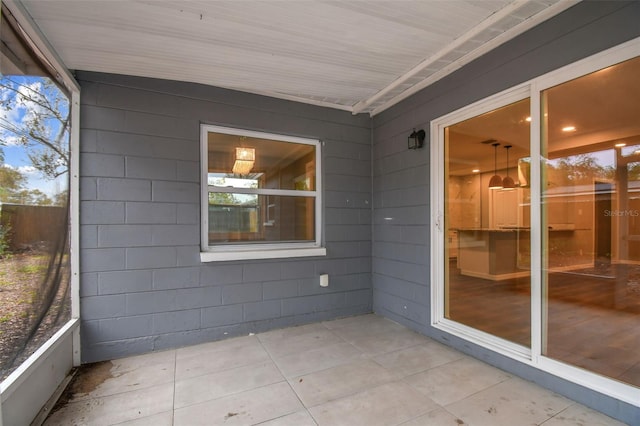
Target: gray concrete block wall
[
  {"x": 143, "y": 287},
  {"x": 401, "y": 191}
]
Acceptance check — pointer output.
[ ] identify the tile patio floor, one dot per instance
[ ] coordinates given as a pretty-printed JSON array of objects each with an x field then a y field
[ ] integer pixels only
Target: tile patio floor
[{"x": 363, "y": 370}]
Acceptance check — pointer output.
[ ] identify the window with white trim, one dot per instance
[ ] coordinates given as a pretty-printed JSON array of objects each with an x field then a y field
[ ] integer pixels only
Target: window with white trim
[{"x": 261, "y": 195}]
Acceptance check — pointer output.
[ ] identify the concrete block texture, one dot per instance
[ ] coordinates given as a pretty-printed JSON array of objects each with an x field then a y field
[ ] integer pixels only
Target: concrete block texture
[
  {"x": 143, "y": 285},
  {"x": 120, "y": 189},
  {"x": 148, "y": 212},
  {"x": 402, "y": 228}
]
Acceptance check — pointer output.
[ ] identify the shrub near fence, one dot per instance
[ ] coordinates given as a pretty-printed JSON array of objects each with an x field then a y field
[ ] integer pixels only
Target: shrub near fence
[{"x": 31, "y": 226}]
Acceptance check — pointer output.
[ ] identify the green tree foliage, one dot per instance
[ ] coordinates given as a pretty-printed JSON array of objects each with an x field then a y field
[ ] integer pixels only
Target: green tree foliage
[
  {"x": 12, "y": 189},
  {"x": 11, "y": 180},
  {"x": 36, "y": 117},
  {"x": 634, "y": 171},
  {"x": 583, "y": 168},
  {"x": 5, "y": 230},
  {"x": 222, "y": 199}
]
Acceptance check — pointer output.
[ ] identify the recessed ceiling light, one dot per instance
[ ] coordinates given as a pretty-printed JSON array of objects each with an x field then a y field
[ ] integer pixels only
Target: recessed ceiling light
[
  {"x": 475, "y": 171},
  {"x": 528, "y": 119},
  {"x": 620, "y": 145},
  {"x": 569, "y": 129}
]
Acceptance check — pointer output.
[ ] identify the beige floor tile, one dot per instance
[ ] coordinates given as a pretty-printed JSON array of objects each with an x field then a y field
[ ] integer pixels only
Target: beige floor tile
[
  {"x": 124, "y": 375},
  {"x": 284, "y": 333},
  {"x": 391, "y": 341},
  {"x": 160, "y": 419},
  {"x": 301, "y": 418},
  {"x": 300, "y": 363},
  {"x": 216, "y": 358},
  {"x": 439, "y": 417},
  {"x": 387, "y": 404},
  {"x": 114, "y": 409},
  {"x": 323, "y": 386},
  {"x": 246, "y": 408},
  {"x": 579, "y": 415},
  {"x": 133, "y": 362},
  {"x": 456, "y": 380},
  {"x": 363, "y": 325},
  {"x": 509, "y": 400},
  {"x": 384, "y": 374},
  {"x": 417, "y": 358},
  {"x": 363, "y": 328},
  {"x": 291, "y": 344},
  {"x": 216, "y": 385},
  {"x": 217, "y": 346},
  {"x": 341, "y": 322}
]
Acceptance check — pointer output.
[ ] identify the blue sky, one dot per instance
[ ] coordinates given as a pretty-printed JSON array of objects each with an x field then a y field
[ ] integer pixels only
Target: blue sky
[{"x": 22, "y": 108}]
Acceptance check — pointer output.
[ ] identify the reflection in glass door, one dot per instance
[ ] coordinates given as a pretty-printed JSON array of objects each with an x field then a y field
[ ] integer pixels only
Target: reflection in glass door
[
  {"x": 591, "y": 222},
  {"x": 487, "y": 220}
]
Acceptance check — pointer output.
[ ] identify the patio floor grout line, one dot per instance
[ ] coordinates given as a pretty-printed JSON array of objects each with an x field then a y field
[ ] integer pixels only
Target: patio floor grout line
[{"x": 286, "y": 380}]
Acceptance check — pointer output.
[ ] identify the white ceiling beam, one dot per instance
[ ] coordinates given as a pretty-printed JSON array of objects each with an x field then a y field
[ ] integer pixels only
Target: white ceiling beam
[
  {"x": 286, "y": 53},
  {"x": 29, "y": 26},
  {"x": 485, "y": 47},
  {"x": 487, "y": 23},
  {"x": 300, "y": 99}
]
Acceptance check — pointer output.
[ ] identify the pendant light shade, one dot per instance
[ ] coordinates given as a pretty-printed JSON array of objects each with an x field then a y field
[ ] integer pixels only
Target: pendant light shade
[
  {"x": 507, "y": 182},
  {"x": 496, "y": 181},
  {"x": 245, "y": 157}
]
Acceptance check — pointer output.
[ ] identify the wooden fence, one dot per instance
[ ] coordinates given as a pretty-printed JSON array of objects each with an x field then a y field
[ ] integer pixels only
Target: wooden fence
[{"x": 32, "y": 226}]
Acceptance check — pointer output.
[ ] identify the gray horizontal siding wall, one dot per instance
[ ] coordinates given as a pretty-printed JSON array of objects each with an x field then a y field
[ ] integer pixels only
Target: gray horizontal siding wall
[
  {"x": 143, "y": 287},
  {"x": 402, "y": 228}
]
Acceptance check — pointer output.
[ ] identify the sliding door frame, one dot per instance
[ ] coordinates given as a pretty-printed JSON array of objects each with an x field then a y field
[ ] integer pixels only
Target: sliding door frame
[{"x": 530, "y": 356}]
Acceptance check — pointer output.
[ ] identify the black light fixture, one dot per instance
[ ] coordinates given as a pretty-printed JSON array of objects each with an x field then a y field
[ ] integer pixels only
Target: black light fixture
[
  {"x": 507, "y": 183},
  {"x": 416, "y": 139},
  {"x": 496, "y": 181}
]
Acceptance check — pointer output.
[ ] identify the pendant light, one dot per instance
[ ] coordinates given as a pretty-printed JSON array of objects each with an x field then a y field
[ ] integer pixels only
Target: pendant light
[
  {"x": 496, "y": 181},
  {"x": 507, "y": 183},
  {"x": 245, "y": 158}
]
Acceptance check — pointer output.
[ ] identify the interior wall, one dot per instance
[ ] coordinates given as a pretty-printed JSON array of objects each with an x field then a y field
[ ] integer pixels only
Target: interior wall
[
  {"x": 402, "y": 216},
  {"x": 143, "y": 286}
]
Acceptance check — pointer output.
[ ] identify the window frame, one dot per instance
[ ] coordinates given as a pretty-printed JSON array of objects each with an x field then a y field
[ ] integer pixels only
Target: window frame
[
  {"x": 46, "y": 367},
  {"x": 438, "y": 305},
  {"x": 249, "y": 250},
  {"x": 534, "y": 356}
]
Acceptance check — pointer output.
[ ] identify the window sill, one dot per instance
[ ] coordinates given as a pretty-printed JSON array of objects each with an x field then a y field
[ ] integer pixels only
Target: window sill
[{"x": 222, "y": 256}]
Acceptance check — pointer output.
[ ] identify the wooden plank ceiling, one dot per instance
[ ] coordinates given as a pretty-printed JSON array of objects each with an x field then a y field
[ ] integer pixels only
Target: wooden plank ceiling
[{"x": 359, "y": 56}]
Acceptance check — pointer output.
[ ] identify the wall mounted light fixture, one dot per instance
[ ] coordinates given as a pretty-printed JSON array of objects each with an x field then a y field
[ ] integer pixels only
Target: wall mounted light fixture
[{"x": 416, "y": 139}]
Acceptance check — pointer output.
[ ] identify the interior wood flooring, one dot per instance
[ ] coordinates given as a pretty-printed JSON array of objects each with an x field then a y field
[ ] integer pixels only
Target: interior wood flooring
[{"x": 593, "y": 316}]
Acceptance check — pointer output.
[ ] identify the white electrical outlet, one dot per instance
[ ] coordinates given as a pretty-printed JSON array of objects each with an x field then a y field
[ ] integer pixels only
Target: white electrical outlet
[{"x": 324, "y": 280}]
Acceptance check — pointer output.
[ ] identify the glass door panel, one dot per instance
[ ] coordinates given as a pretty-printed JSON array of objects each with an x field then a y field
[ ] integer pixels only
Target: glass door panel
[
  {"x": 591, "y": 222},
  {"x": 487, "y": 270}
]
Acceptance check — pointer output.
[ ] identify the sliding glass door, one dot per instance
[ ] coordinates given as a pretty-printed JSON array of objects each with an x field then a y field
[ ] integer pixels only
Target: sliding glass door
[
  {"x": 487, "y": 280},
  {"x": 536, "y": 202},
  {"x": 591, "y": 230}
]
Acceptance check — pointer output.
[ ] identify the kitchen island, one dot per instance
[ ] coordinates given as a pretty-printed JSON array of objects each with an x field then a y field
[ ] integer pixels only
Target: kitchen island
[{"x": 494, "y": 253}]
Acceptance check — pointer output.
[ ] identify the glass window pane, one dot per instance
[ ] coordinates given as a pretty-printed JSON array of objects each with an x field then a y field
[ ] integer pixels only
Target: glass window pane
[
  {"x": 272, "y": 164},
  {"x": 238, "y": 218},
  {"x": 34, "y": 214},
  {"x": 591, "y": 222},
  {"x": 487, "y": 282}
]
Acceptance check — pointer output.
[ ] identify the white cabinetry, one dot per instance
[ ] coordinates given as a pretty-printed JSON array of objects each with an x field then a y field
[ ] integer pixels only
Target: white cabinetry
[{"x": 505, "y": 208}]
